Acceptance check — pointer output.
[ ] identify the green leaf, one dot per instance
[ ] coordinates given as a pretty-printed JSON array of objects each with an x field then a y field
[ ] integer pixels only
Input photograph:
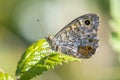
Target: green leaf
[
  {"x": 115, "y": 25},
  {"x": 39, "y": 58},
  {"x": 5, "y": 76}
]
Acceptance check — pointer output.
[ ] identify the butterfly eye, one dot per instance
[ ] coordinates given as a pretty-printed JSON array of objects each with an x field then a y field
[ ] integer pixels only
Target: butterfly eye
[
  {"x": 89, "y": 48},
  {"x": 87, "y": 22}
]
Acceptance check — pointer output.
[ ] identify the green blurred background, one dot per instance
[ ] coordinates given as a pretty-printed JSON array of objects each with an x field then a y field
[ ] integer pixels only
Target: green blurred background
[{"x": 23, "y": 22}]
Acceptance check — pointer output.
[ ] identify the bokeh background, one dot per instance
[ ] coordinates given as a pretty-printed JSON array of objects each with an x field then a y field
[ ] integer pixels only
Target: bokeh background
[{"x": 23, "y": 22}]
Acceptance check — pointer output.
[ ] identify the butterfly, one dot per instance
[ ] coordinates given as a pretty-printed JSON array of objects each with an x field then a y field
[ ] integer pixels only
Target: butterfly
[{"x": 78, "y": 38}]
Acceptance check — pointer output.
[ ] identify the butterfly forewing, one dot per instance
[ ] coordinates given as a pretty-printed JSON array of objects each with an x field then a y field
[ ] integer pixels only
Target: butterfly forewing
[{"x": 78, "y": 38}]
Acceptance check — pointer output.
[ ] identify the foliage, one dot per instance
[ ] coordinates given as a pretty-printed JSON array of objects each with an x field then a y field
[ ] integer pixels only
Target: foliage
[
  {"x": 115, "y": 24},
  {"x": 39, "y": 58},
  {"x": 5, "y": 76}
]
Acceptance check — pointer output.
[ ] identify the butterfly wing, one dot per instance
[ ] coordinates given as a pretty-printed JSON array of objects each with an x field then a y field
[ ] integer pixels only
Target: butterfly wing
[{"x": 78, "y": 38}]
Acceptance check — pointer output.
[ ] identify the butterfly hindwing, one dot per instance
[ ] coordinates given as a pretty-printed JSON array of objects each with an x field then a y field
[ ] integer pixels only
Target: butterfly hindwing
[{"x": 78, "y": 38}]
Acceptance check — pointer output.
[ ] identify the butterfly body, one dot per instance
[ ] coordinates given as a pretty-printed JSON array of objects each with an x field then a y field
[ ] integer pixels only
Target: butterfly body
[{"x": 78, "y": 38}]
